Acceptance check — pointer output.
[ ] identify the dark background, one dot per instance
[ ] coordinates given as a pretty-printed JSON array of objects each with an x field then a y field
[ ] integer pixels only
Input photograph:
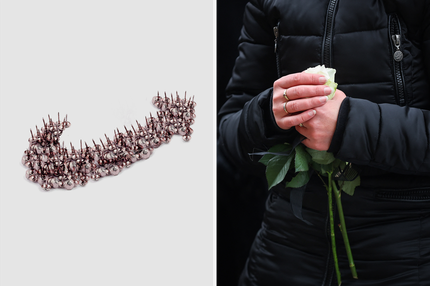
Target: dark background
[{"x": 240, "y": 197}]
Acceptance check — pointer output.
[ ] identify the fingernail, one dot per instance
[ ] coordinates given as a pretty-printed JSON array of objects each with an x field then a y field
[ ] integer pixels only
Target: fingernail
[
  {"x": 323, "y": 99},
  {"x": 323, "y": 80},
  {"x": 312, "y": 113},
  {"x": 328, "y": 90}
]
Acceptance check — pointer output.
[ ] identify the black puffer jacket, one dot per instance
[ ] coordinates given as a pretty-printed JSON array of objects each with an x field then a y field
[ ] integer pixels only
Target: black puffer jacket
[{"x": 383, "y": 129}]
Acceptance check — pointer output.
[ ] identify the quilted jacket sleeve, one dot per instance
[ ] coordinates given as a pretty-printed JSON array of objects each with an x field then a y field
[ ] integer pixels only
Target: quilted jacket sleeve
[
  {"x": 246, "y": 120},
  {"x": 386, "y": 136}
]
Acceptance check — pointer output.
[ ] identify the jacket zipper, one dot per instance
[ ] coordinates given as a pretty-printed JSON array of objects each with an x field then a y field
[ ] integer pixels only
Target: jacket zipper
[
  {"x": 278, "y": 65},
  {"x": 412, "y": 195},
  {"x": 328, "y": 34},
  {"x": 395, "y": 37},
  {"x": 326, "y": 60}
]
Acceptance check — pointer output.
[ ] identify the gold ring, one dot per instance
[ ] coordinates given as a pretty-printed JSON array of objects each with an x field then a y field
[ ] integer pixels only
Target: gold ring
[
  {"x": 285, "y": 108},
  {"x": 285, "y": 95},
  {"x": 301, "y": 125}
]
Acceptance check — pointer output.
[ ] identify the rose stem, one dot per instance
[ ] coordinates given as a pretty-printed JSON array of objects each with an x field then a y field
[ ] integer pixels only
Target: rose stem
[
  {"x": 333, "y": 239},
  {"x": 337, "y": 194}
]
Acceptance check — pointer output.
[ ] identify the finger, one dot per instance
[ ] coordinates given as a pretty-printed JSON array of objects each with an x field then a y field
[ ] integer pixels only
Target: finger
[
  {"x": 305, "y": 91},
  {"x": 300, "y": 99},
  {"x": 287, "y": 122},
  {"x": 314, "y": 145},
  {"x": 299, "y": 105},
  {"x": 299, "y": 79}
]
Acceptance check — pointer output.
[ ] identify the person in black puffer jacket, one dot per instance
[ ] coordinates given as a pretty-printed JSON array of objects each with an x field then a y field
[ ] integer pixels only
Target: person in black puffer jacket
[{"x": 379, "y": 120}]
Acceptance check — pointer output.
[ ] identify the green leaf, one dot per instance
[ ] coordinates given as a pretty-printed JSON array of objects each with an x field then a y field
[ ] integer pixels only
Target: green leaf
[
  {"x": 349, "y": 186},
  {"x": 338, "y": 164},
  {"x": 277, "y": 168},
  {"x": 302, "y": 159},
  {"x": 316, "y": 167},
  {"x": 325, "y": 169},
  {"x": 301, "y": 179},
  {"x": 266, "y": 158},
  {"x": 321, "y": 157},
  {"x": 280, "y": 148}
]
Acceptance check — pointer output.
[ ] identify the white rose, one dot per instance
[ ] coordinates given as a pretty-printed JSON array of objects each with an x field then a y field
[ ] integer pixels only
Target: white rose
[{"x": 328, "y": 73}]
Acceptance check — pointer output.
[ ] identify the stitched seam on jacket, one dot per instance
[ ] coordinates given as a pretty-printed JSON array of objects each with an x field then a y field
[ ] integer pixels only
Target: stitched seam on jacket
[
  {"x": 362, "y": 31},
  {"x": 362, "y": 83},
  {"x": 343, "y": 33}
]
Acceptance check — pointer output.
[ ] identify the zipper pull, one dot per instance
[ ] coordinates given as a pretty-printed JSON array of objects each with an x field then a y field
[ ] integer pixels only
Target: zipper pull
[
  {"x": 398, "y": 55},
  {"x": 276, "y": 32}
]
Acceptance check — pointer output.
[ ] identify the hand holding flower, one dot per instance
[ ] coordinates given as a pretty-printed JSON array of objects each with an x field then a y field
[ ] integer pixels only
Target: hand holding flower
[
  {"x": 295, "y": 97},
  {"x": 319, "y": 130},
  {"x": 297, "y": 102}
]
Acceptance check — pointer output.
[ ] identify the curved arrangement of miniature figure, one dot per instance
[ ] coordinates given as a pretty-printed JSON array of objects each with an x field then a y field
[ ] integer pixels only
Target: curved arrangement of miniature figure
[{"x": 54, "y": 166}]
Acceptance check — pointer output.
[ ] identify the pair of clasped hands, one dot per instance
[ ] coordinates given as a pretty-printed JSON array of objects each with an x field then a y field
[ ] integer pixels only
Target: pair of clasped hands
[{"x": 300, "y": 101}]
